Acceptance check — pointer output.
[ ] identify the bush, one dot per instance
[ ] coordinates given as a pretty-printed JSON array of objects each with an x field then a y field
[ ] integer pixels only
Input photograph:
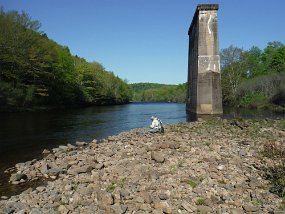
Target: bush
[
  {"x": 276, "y": 171},
  {"x": 254, "y": 101}
]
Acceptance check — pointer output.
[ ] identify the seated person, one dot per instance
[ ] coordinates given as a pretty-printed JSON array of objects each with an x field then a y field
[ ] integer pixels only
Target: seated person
[{"x": 156, "y": 125}]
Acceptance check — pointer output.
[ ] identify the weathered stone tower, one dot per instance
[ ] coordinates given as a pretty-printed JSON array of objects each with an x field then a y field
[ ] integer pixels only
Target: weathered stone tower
[{"x": 204, "y": 95}]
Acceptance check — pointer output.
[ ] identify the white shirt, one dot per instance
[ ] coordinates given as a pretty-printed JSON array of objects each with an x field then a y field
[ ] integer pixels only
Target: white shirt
[{"x": 155, "y": 124}]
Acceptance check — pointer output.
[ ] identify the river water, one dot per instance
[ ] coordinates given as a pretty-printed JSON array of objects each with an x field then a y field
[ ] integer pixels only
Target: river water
[{"x": 24, "y": 135}]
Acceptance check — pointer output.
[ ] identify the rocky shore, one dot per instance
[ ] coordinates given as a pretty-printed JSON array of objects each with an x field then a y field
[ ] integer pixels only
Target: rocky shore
[{"x": 208, "y": 166}]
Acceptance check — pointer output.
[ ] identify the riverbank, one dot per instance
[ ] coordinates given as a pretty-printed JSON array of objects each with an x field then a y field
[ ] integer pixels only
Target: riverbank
[{"x": 212, "y": 166}]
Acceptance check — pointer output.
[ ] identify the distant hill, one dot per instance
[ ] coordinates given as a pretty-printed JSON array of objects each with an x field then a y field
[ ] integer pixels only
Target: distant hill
[{"x": 155, "y": 92}]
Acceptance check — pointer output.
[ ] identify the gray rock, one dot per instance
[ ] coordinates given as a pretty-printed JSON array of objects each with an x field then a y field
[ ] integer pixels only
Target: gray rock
[
  {"x": 79, "y": 143},
  {"x": 204, "y": 209},
  {"x": 163, "y": 196},
  {"x": 99, "y": 166},
  {"x": 119, "y": 209},
  {"x": 54, "y": 171},
  {"x": 45, "y": 167},
  {"x": 71, "y": 146},
  {"x": 75, "y": 170},
  {"x": 18, "y": 177},
  {"x": 22, "y": 212},
  {"x": 145, "y": 207},
  {"x": 249, "y": 208},
  {"x": 45, "y": 151},
  {"x": 158, "y": 157},
  {"x": 62, "y": 209},
  {"x": 188, "y": 207},
  {"x": 279, "y": 212},
  {"x": 6, "y": 210},
  {"x": 63, "y": 148},
  {"x": 124, "y": 193},
  {"x": 237, "y": 211},
  {"x": 157, "y": 211},
  {"x": 105, "y": 198}
]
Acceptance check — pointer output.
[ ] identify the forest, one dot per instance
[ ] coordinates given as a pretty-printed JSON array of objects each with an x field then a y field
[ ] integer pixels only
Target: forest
[
  {"x": 36, "y": 71},
  {"x": 154, "y": 92},
  {"x": 254, "y": 78},
  {"x": 251, "y": 78}
]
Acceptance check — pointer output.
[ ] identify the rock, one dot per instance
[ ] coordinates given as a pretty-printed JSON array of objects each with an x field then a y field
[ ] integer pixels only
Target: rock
[
  {"x": 45, "y": 151},
  {"x": 119, "y": 209},
  {"x": 54, "y": 172},
  {"x": 44, "y": 168},
  {"x": 75, "y": 170},
  {"x": 164, "y": 206},
  {"x": 99, "y": 166},
  {"x": 278, "y": 212},
  {"x": 237, "y": 211},
  {"x": 22, "y": 212},
  {"x": 6, "y": 210},
  {"x": 157, "y": 211},
  {"x": 63, "y": 148},
  {"x": 204, "y": 209},
  {"x": 249, "y": 208},
  {"x": 76, "y": 199},
  {"x": 158, "y": 157},
  {"x": 62, "y": 209},
  {"x": 70, "y": 146},
  {"x": 79, "y": 143},
  {"x": 105, "y": 198},
  {"x": 163, "y": 196},
  {"x": 220, "y": 167},
  {"x": 40, "y": 188},
  {"x": 18, "y": 177},
  {"x": 188, "y": 207},
  {"x": 145, "y": 207},
  {"x": 124, "y": 193}
]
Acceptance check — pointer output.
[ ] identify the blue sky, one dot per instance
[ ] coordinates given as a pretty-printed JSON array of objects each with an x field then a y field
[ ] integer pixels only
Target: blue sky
[{"x": 146, "y": 40}]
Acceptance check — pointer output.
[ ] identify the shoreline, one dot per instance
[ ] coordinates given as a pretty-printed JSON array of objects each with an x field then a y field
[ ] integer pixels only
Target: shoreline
[{"x": 206, "y": 166}]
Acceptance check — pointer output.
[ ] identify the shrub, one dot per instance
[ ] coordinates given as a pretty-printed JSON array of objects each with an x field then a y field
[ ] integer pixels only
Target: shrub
[
  {"x": 254, "y": 101},
  {"x": 276, "y": 171}
]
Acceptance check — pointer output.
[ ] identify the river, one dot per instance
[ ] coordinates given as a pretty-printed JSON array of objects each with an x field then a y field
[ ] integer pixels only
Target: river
[{"x": 24, "y": 135}]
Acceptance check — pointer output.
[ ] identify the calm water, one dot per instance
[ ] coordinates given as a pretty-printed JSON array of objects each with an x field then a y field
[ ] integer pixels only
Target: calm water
[{"x": 24, "y": 135}]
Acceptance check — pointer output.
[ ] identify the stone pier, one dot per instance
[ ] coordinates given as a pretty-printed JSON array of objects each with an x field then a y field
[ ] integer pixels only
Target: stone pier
[{"x": 204, "y": 94}]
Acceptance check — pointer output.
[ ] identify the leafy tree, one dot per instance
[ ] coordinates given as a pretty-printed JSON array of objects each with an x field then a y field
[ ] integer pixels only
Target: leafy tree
[
  {"x": 233, "y": 72},
  {"x": 35, "y": 70}
]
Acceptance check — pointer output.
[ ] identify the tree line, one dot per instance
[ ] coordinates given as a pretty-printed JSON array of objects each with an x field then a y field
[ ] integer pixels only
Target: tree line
[
  {"x": 36, "y": 71},
  {"x": 153, "y": 92},
  {"x": 254, "y": 78}
]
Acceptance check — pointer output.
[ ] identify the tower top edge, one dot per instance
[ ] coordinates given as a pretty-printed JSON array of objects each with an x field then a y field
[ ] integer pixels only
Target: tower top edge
[
  {"x": 207, "y": 7},
  {"x": 202, "y": 7}
]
